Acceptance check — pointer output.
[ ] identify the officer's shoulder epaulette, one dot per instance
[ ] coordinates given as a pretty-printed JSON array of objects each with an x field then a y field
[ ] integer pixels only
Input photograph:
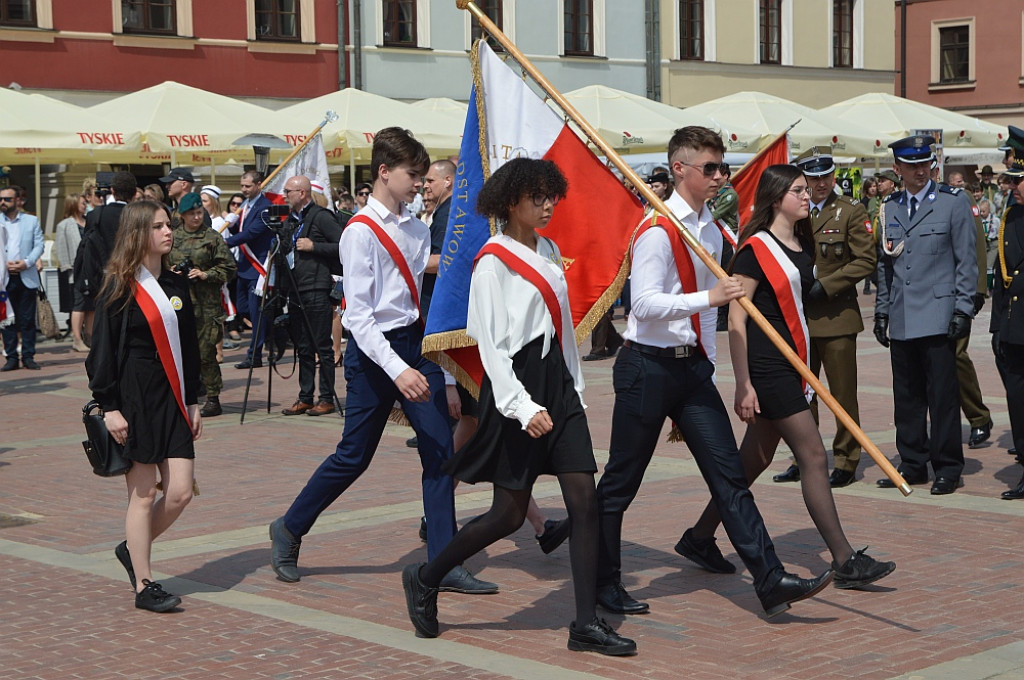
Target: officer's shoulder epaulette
[
  {"x": 946, "y": 189},
  {"x": 849, "y": 200}
]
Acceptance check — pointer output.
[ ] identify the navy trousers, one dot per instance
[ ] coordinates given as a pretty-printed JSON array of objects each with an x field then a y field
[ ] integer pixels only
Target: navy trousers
[
  {"x": 368, "y": 400},
  {"x": 249, "y": 307},
  {"x": 23, "y": 299},
  {"x": 648, "y": 390}
]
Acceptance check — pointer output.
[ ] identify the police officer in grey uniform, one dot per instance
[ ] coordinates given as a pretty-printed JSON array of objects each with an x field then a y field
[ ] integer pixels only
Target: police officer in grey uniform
[{"x": 927, "y": 277}]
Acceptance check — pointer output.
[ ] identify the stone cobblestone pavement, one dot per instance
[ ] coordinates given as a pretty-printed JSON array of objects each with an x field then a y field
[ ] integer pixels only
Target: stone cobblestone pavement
[{"x": 951, "y": 609}]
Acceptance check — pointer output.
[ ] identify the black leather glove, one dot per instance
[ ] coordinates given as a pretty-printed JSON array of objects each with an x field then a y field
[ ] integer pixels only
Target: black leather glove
[
  {"x": 882, "y": 329},
  {"x": 817, "y": 292},
  {"x": 997, "y": 348},
  {"x": 979, "y": 302},
  {"x": 959, "y": 326}
]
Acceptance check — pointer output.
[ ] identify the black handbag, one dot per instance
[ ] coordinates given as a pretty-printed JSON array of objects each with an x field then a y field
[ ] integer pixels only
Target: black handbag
[{"x": 105, "y": 455}]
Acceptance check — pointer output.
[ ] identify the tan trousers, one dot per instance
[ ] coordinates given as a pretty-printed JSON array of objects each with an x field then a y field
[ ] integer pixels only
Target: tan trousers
[{"x": 970, "y": 391}]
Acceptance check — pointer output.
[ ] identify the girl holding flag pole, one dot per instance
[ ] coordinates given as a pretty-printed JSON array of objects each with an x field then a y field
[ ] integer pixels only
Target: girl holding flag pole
[
  {"x": 144, "y": 372},
  {"x": 775, "y": 266},
  {"x": 532, "y": 420}
]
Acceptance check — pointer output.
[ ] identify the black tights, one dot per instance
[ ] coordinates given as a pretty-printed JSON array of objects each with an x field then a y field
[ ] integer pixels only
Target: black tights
[
  {"x": 801, "y": 435},
  {"x": 508, "y": 510}
]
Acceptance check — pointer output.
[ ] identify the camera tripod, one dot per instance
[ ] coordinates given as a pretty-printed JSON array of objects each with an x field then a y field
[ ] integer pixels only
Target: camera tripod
[{"x": 270, "y": 304}]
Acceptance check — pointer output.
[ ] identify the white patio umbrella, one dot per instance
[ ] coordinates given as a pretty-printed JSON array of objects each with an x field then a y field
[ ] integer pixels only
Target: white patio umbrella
[
  {"x": 898, "y": 117},
  {"x": 773, "y": 115}
]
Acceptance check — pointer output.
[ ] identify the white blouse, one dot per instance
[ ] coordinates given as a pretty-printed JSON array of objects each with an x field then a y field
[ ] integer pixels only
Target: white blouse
[
  {"x": 661, "y": 310},
  {"x": 507, "y": 312}
]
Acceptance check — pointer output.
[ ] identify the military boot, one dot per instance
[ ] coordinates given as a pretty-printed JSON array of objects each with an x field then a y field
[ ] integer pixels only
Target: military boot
[{"x": 211, "y": 407}]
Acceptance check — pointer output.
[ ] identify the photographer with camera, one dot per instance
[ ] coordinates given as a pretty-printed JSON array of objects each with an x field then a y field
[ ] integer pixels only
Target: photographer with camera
[
  {"x": 200, "y": 255},
  {"x": 253, "y": 242},
  {"x": 310, "y": 239}
]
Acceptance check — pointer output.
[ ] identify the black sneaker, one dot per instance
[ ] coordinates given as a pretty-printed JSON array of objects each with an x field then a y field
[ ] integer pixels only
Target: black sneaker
[
  {"x": 555, "y": 533},
  {"x": 155, "y": 599},
  {"x": 121, "y": 552},
  {"x": 421, "y": 602},
  {"x": 704, "y": 553},
  {"x": 598, "y": 636},
  {"x": 860, "y": 570}
]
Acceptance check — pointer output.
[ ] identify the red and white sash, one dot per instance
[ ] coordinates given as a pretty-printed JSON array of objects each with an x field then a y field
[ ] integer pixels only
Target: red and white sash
[
  {"x": 684, "y": 264},
  {"x": 396, "y": 254},
  {"x": 226, "y": 303},
  {"x": 162, "y": 318},
  {"x": 6, "y": 308},
  {"x": 532, "y": 267},
  {"x": 727, "y": 233},
  {"x": 784, "y": 278}
]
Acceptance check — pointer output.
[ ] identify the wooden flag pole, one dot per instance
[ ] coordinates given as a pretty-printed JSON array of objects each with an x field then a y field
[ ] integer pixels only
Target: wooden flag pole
[{"x": 705, "y": 257}]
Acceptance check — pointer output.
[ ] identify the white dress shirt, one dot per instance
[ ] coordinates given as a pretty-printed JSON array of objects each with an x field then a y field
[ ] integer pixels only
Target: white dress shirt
[
  {"x": 507, "y": 312},
  {"x": 376, "y": 294},
  {"x": 13, "y": 237},
  {"x": 660, "y": 315}
]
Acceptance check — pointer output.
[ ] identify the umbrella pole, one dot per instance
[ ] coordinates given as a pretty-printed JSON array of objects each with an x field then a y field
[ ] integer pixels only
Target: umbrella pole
[
  {"x": 694, "y": 245},
  {"x": 351, "y": 173},
  {"x": 39, "y": 195}
]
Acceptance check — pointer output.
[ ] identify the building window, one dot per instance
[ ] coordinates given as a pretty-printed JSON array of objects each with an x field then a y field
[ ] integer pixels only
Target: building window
[
  {"x": 691, "y": 29},
  {"x": 842, "y": 33},
  {"x": 493, "y": 10},
  {"x": 579, "y": 27},
  {"x": 400, "y": 23},
  {"x": 277, "y": 20},
  {"x": 955, "y": 54},
  {"x": 17, "y": 13},
  {"x": 149, "y": 16},
  {"x": 771, "y": 31}
]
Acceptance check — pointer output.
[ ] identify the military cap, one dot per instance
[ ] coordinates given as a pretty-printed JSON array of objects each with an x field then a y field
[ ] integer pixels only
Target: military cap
[
  {"x": 1016, "y": 140},
  {"x": 189, "y": 201},
  {"x": 915, "y": 149},
  {"x": 658, "y": 177},
  {"x": 889, "y": 175},
  {"x": 816, "y": 161}
]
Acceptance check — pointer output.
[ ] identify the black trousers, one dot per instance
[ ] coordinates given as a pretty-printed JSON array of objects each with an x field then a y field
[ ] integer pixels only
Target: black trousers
[
  {"x": 317, "y": 306},
  {"x": 648, "y": 390},
  {"x": 925, "y": 388},
  {"x": 1011, "y": 371},
  {"x": 24, "y": 300}
]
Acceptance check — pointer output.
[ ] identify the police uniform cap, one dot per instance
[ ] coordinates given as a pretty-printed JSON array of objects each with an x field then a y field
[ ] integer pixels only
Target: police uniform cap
[
  {"x": 189, "y": 201},
  {"x": 1017, "y": 168},
  {"x": 1016, "y": 140},
  {"x": 816, "y": 161},
  {"x": 914, "y": 149}
]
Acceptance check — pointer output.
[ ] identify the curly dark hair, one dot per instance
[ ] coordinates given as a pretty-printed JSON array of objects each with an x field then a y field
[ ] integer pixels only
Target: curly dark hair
[{"x": 517, "y": 179}]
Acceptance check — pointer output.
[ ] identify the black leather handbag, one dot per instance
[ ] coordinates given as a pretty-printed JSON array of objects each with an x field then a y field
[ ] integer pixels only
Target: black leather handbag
[{"x": 105, "y": 455}]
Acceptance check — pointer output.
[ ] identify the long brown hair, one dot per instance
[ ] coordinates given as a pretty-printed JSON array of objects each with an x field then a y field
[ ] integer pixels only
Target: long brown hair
[
  {"x": 131, "y": 246},
  {"x": 71, "y": 206},
  {"x": 775, "y": 181}
]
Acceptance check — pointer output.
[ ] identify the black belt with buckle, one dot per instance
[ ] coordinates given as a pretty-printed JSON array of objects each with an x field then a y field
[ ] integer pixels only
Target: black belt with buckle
[{"x": 680, "y": 352}]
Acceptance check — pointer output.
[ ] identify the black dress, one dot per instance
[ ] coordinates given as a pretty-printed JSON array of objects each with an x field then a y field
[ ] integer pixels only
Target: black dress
[
  {"x": 776, "y": 382},
  {"x": 503, "y": 453},
  {"x": 136, "y": 384}
]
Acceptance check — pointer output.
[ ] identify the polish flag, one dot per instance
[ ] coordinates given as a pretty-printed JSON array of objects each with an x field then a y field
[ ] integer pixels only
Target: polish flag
[
  {"x": 592, "y": 225},
  {"x": 745, "y": 180},
  {"x": 310, "y": 161}
]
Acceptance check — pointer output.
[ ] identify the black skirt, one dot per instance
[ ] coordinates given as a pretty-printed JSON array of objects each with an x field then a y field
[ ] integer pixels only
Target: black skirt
[
  {"x": 503, "y": 453},
  {"x": 779, "y": 391},
  {"x": 65, "y": 291},
  {"x": 157, "y": 429}
]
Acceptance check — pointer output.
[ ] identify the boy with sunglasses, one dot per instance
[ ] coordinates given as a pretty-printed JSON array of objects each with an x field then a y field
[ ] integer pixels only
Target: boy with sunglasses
[{"x": 665, "y": 369}]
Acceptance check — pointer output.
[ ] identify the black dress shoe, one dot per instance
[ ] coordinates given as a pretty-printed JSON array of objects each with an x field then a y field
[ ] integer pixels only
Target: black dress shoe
[
  {"x": 10, "y": 365},
  {"x": 614, "y": 598},
  {"x": 423, "y": 529},
  {"x": 792, "y": 474},
  {"x": 555, "y": 533},
  {"x": 704, "y": 553},
  {"x": 459, "y": 580},
  {"x": 840, "y": 478},
  {"x": 886, "y": 483},
  {"x": 284, "y": 555},
  {"x": 598, "y": 636},
  {"x": 412, "y": 442},
  {"x": 944, "y": 485},
  {"x": 249, "y": 363},
  {"x": 979, "y": 435},
  {"x": 421, "y": 601},
  {"x": 598, "y": 355},
  {"x": 1014, "y": 494},
  {"x": 792, "y": 589},
  {"x": 30, "y": 364},
  {"x": 121, "y": 552}
]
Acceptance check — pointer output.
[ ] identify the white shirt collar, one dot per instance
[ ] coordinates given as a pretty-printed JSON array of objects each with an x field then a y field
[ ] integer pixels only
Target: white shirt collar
[
  {"x": 921, "y": 195},
  {"x": 386, "y": 215}
]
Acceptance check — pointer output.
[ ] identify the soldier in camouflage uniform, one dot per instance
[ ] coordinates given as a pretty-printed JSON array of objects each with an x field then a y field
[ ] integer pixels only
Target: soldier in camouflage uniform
[{"x": 212, "y": 266}]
